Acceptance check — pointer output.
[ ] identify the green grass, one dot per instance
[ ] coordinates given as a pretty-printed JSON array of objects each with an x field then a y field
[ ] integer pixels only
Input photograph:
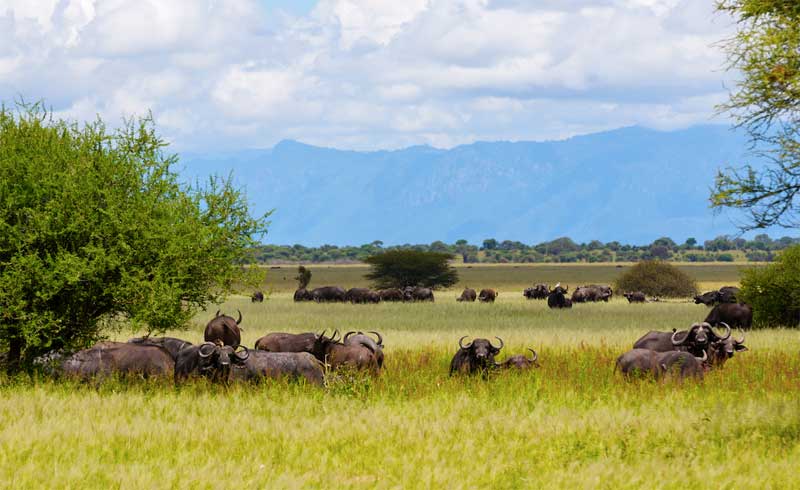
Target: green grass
[{"x": 573, "y": 423}]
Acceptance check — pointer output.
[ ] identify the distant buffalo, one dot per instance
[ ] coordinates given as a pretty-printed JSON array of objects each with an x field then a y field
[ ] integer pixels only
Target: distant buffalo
[
  {"x": 591, "y": 293},
  {"x": 477, "y": 356},
  {"x": 725, "y": 294},
  {"x": 223, "y": 328},
  {"x": 303, "y": 294},
  {"x": 287, "y": 342},
  {"x": 257, "y": 297},
  {"x": 209, "y": 360},
  {"x": 411, "y": 293},
  {"x": 468, "y": 295},
  {"x": 539, "y": 291},
  {"x": 117, "y": 358},
  {"x": 328, "y": 294},
  {"x": 170, "y": 344},
  {"x": 275, "y": 365},
  {"x": 487, "y": 295},
  {"x": 336, "y": 354},
  {"x": 659, "y": 364},
  {"x": 362, "y": 295},
  {"x": 392, "y": 294},
  {"x": 520, "y": 361},
  {"x": 734, "y": 314},
  {"x": 635, "y": 297},
  {"x": 557, "y": 298}
]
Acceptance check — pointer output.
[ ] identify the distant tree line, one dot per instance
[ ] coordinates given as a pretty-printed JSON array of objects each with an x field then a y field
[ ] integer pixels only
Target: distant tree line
[{"x": 724, "y": 248}]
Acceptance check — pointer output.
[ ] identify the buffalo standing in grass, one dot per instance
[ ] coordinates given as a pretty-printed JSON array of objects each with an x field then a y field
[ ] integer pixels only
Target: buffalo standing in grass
[
  {"x": 328, "y": 294},
  {"x": 257, "y": 297},
  {"x": 468, "y": 295},
  {"x": 635, "y": 297},
  {"x": 275, "y": 365},
  {"x": 223, "y": 328},
  {"x": 734, "y": 314},
  {"x": 376, "y": 346},
  {"x": 488, "y": 295},
  {"x": 110, "y": 358},
  {"x": 391, "y": 294},
  {"x": 539, "y": 291},
  {"x": 361, "y": 295},
  {"x": 477, "y": 356},
  {"x": 170, "y": 344},
  {"x": 335, "y": 354},
  {"x": 659, "y": 364},
  {"x": 412, "y": 293},
  {"x": 557, "y": 298},
  {"x": 287, "y": 342},
  {"x": 209, "y": 360},
  {"x": 521, "y": 362},
  {"x": 303, "y": 294}
]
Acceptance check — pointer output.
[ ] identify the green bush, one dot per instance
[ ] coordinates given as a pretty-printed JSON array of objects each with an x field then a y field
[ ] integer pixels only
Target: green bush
[
  {"x": 774, "y": 291},
  {"x": 657, "y": 278},
  {"x": 400, "y": 268}
]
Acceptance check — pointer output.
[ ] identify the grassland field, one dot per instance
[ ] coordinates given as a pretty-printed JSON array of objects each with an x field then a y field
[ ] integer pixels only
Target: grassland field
[{"x": 572, "y": 423}]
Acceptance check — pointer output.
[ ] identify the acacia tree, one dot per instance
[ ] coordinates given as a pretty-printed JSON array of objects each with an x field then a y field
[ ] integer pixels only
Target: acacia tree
[
  {"x": 96, "y": 231},
  {"x": 766, "y": 103},
  {"x": 401, "y": 268}
]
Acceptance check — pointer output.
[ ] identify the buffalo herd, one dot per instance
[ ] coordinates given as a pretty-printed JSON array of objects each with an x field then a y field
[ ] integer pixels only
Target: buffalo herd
[{"x": 336, "y": 294}]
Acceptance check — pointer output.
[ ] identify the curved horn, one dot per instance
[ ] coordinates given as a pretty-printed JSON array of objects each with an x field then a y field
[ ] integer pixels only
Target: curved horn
[
  {"x": 240, "y": 318},
  {"x": 460, "y": 344},
  {"x": 501, "y": 343},
  {"x": 535, "y": 355},
  {"x": 704, "y": 358},
  {"x": 246, "y": 353},
  {"x": 676, "y": 342},
  {"x": 322, "y": 334},
  {"x": 217, "y": 313},
  {"x": 727, "y": 328},
  {"x": 380, "y": 339},
  {"x": 740, "y": 341},
  {"x": 200, "y": 350},
  {"x": 334, "y": 335},
  {"x": 347, "y": 335}
]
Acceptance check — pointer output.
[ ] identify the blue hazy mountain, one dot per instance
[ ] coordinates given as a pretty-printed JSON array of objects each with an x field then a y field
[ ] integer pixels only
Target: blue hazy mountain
[{"x": 632, "y": 185}]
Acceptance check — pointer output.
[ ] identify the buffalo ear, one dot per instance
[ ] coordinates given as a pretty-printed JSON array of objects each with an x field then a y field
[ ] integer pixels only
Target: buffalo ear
[{"x": 741, "y": 347}]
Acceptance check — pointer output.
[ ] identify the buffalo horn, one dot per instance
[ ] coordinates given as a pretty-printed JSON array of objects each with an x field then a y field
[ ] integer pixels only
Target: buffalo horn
[
  {"x": 200, "y": 350},
  {"x": 501, "y": 343},
  {"x": 380, "y": 339},
  {"x": 240, "y": 318},
  {"x": 704, "y": 358},
  {"x": 245, "y": 351},
  {"x": 727, "y": 328},
  {"x": 217, "y": 314},
  {"x": 460, "y": 343},
  {"x": 335, "y": 334},
  {"x": 347, "y": 335},
  {"x": 740, "y": 341},
  {"x": 680, "y": 342},
  {"x": 535, "y": 355}
]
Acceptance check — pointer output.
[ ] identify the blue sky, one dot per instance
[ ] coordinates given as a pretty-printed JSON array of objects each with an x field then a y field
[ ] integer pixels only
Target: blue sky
[{"x": 368, "y": 74}]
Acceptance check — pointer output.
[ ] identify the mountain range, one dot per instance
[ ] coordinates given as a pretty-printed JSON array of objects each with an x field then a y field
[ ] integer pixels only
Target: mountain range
[{"x": 632, "y": 185}]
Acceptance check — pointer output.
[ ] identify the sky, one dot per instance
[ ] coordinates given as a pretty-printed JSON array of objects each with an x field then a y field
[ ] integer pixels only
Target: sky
[{"x": 368, "y": 74}]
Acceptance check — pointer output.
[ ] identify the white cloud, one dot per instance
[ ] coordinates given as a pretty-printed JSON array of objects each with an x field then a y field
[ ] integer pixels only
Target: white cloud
[{"x": 368, "y": 73}]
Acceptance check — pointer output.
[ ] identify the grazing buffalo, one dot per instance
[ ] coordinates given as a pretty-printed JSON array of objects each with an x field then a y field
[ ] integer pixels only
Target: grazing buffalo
[
  {"x": 539, "y": 291},
  {"x": 635, "y": 297},
  {"x": 520, "y": 361},
  {"x": 335, "y": 354},
  {"x": 275, "y": 365},
  {"x": 591, "y": 293},
  {"x": 209, "y": 360},
  {"x": 392, "y": 294},
  {"x": 107, "y": 358},
  {"x": 467, "y": 294},
  {"x": 287, "y": 342},
  {"x": 361, "y": 295},
  {"x": 477, "y": 356},
  {"x": 225, "y": 329},
  {"x": 358, "y": 338},
  {"x": 720, "y": 351},
  {"x": 303, "y": 294},
  {"x": 695, "y": 340},
  {"x": 734, "y": 314},
  {"x": 557, "y": 298},
  {"x": 488, "y": 295},
  {"x": 659, "y": 364},
  {"x": 257, "y": 297},
  {"x": 170, "y": 344},
  {"x": 328, "y": 294},
  {"x": 411, "y": 293}
]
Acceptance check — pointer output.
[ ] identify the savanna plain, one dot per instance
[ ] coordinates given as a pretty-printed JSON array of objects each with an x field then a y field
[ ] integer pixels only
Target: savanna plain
[{"x": 572, "y": 423}]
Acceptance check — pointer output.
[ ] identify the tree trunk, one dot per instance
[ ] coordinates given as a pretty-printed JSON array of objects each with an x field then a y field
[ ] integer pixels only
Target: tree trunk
[{"x": 15, "y": 345}]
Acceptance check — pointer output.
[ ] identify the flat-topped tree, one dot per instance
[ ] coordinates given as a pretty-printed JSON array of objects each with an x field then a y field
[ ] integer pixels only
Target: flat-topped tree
[{"x": 401, "y": 268}]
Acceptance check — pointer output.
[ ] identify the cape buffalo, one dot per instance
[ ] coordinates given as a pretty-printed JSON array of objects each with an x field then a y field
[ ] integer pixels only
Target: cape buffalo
[
  {"x": 297, "y": 365},
  {"x": 539, "y": 291},
  {"x": 210, "y": 360},
  {"x": 107, "y": 358},
  {"x": 592, "y": 293},
  {"x": 556, "y": 298},
  {"x": 287, "y": 342},
  {"x": 358, "y": 338},
  {"x": 303, "y": 294},
  {"x": 257, "y": 297},
  {"x": 477, "y": 356},
  {"x": 635, "y": 297},
  {"x": 327, "y": 294},
  {"x": 411, "y": 293},
  {"x": 392, "y": 294},
  {"x": 488, "y": 295},
  {"x": 336, "y": 354},
  {"x": 720, "y": 351},
  {"x": 695, "y": 340},
  {"x": 728, "y": 294},
  {"x": 734, "y": 314},
  {"x": 658, "y": 364},
  {"x": 520, "y": 361},
  {"x": 170, "y": 344},
  {"x": 467, "y": 294},
  {"x": 361, "y": 295},
  {"x": 225, "y": 329}
]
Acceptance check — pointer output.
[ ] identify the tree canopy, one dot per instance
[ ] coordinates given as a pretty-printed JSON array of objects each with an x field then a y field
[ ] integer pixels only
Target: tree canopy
[
  {"x": 774, "y": 291},
  {"x": 97, "y": 231},
  {"x": 401, "y": 268}
]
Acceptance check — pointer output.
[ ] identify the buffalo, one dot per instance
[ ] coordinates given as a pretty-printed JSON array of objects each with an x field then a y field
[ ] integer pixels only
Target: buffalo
[
  {"x": 734, "y": 314},
  {"x": 328, "y": 294},
  {"x": 725, "y": 294},
  {"x": 539, "y": 291},
  {"x": 358, "y": 338},
  {"x": 223, "y": 328},
  {"x": 659, "y": 364},
  {"x": 477, "y": 356},
  {"x": 411, "y": 293},
  {"x": 592, "y": 293},
  {"x": 695, "y": 340},
  {"x": 468, "y": 295},
  {"x": 361, "y": 295},
  {"x": 107, "y": 358},
  {"x": 209, "y": 360},
  {"x": 287, "y": 342},
  {"x": 257, "y": 297},
  {"x": 635, "y": 297},
  {"x": 302, "y": 294},
  {"x": 722, "y": 350},
  {"x": 335, "y": 354},
  {"x": 488, "y": 295},
  {"x": 520, "y": 361},
  {"x": 392, "y": 294},
  {"x": 296, "y": 365},
  {"x": 557, "y": 298},
  {"x": 170, "y": 344}
]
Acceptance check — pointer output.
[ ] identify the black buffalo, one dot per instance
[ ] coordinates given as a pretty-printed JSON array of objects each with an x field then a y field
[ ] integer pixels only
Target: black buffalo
[
  {"x": 335, "y": 354},
  {"x": 411, "y": 293},
  {"x": 170, "y": 344},
  {"x": 695, "y": 340},
  {"x": 391, "y": 294},
  {"x": 720, "y": 351},
  {"x": 557, "y": 298},
  {"x": 468, "y": 295},
  {"x": 328, "y": 294},
  {"x": 725, "y": 294},
  {"x": 488, "y": 295},
  {"x": 209, "y": 360},
  {"x": 276, "y": 365},
  {"x": 223, "y": 328},
  {"x": 257, "y": 297},
  {"x": 635, "y": 297},
  {"x": 376, "y": 346},
  {"x": 477, "y": 356},
  {"x": 659, "y": 364},
  {"x": 539, "y": 291},
  {"x": 287, "y": 342},
  {"x": 109, "y": 358},
  {"x": 521, "y": 361},
  {"x": 591, "y": 293},
  {"x": 734, "y": 314},
  {"x": 361, "y": 295},
  {"x": 303, "y": 294}
]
